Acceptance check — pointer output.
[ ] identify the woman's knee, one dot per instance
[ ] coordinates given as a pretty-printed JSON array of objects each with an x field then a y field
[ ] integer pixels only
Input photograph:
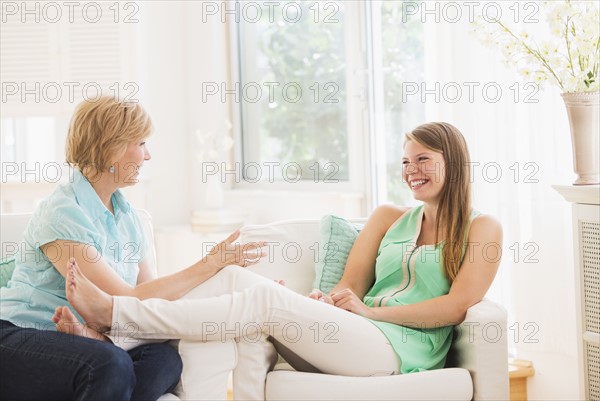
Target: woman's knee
[
  {"x": 171, "y": 363},
  {"x": 113, "y": 365},
  {"x": 157, "y": 368},
  {"x": 165, "y": 356}
]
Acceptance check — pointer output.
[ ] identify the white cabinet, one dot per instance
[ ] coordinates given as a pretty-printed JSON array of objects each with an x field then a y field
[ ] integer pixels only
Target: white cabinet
[{"x": 586, "y": 237}]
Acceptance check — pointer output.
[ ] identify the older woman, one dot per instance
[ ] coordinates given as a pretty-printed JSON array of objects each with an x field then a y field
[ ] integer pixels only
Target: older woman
[{"x": 89, "y": 219}]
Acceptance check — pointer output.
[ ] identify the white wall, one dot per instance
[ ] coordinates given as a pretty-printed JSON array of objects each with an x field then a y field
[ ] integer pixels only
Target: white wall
[
  {"x": 161, "y": 63},
  {"x": 206, "y": 62}
]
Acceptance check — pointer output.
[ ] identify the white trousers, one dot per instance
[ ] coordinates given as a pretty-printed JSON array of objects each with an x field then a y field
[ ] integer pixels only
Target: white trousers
[{"x": 237, "y": 303}]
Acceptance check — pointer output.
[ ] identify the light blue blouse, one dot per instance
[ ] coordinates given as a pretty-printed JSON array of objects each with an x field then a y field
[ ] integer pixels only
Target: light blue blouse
[{"x": 72, "y": 212}]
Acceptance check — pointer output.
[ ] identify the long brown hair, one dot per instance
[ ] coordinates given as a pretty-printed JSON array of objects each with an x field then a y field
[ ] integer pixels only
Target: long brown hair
[{"x": 454, "y": 206}]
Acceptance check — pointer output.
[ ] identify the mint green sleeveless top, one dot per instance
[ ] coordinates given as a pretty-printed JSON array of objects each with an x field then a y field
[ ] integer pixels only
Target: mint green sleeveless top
[{"x": 405, "y": 274}]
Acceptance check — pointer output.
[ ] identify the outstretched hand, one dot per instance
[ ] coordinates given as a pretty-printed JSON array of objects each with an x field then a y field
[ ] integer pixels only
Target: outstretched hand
[{"x": 227, "y": 252}]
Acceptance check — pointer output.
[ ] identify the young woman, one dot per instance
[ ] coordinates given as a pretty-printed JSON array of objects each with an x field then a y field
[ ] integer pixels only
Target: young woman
[
  {"x": 89, "y": 219},
  {"x": 410, "y": 276}
]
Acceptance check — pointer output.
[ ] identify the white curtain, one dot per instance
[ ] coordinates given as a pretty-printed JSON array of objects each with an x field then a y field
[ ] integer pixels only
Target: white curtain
[{"x": 522, "y": 149}]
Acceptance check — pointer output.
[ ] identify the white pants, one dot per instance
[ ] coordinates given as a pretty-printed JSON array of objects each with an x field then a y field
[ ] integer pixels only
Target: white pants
[{"x": 237, "y": 303}]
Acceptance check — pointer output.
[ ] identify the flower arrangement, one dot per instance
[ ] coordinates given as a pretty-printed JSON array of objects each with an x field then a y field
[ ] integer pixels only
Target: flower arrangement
[{"x": 569, "y": 57}]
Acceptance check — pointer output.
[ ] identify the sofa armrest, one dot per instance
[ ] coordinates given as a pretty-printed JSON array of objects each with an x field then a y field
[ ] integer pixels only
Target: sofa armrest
[
  {"x": 480, "y": 346},
  {"x": 207, "y": 366}
]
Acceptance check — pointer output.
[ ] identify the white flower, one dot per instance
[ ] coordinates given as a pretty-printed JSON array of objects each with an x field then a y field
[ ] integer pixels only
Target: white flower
[
  {"x": 569, "y": 56},
  {"x": 540, "y": 77},
  {"x": 525, "y": 72}
]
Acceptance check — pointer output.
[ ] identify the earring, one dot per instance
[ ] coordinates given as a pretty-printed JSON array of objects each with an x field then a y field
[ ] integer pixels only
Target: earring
[{"x": 111, "y": 169}]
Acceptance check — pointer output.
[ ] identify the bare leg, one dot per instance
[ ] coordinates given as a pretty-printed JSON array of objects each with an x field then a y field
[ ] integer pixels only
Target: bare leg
[
  {"x": 67, "y": 323},
  {"x": 93, "y": 304}
]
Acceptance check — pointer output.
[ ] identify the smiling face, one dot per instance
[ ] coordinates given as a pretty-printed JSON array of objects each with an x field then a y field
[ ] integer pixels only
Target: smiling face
[
  {"x": 127, "y": 167},
  {"x": 424, "y": 171}
]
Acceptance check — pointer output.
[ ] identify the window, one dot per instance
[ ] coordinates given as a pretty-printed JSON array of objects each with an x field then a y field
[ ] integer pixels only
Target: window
[
  {"x": 27, "y": 142},
  {"x": 319, "y": 84},
  {"x": 292, "y": 74}
]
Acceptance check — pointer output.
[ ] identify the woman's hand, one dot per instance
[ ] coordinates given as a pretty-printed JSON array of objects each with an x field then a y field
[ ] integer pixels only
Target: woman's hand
[
  {"x": 318, "y": 295},
  {"x": 348, "y": 300},
  {"x": 227, "y": 253}
]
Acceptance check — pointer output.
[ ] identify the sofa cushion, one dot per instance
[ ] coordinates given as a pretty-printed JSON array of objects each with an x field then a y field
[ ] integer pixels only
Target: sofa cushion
[
  {"x": 292, "y": 249},
  {"x": 11, "y": 232},
  {"x": 337, "y": 236},
  {"x": 441, "y": 384}
]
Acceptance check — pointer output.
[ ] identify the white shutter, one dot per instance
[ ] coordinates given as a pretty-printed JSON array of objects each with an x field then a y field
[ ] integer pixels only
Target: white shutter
[
  {"x": 28, "y": 57},
  {"x": 98, "y": 54},
  {"x": 52, "y": 55}
]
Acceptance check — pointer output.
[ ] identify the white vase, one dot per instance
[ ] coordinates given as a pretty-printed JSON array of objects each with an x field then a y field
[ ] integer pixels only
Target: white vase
[
  {"x": 213, "y": 195},
  {"x": 583, "y": 109}
]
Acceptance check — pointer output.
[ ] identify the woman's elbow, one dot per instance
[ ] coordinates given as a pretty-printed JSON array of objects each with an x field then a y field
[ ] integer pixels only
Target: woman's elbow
[
  {"x": 459, "y": 316},
  {"x": 458, "y": 312}
]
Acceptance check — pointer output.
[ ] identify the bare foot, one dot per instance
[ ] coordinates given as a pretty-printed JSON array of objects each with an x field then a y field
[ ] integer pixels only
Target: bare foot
[
  {"x": 93, "y": 304},
  {"x": 67, "y": 323}
]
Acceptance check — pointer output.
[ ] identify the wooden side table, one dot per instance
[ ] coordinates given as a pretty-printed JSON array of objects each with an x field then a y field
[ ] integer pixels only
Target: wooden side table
[{"x": 518, "y": 372}]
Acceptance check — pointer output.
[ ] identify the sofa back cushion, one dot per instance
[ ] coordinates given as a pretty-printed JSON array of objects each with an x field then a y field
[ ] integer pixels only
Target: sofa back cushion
[
  {"x": 337, "y": 236},
  {"x": 12, "y": 227},
  {"x": 292, "y": 247},
  {"x": 295, "y": 248}
]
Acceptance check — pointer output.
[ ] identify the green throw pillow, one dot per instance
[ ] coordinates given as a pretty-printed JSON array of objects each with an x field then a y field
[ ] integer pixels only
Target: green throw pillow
[
  {"x": 7, "y": 266},
  {"x": 337, "y": 236}
]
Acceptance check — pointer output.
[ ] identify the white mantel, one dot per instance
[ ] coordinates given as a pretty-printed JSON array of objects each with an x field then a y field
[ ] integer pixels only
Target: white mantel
[{"x": 586, "y": 194}]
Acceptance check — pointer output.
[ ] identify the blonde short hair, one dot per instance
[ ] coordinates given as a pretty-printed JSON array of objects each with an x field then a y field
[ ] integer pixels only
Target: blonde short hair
[{"x": 100, "y": 131}]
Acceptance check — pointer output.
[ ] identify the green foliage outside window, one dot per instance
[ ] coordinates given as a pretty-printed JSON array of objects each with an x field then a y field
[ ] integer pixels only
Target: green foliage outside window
[{"x": 310, "y": 54}]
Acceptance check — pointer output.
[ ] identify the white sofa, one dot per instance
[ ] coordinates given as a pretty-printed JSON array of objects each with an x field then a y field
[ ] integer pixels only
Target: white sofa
[{"x": 477, "y": 366}]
